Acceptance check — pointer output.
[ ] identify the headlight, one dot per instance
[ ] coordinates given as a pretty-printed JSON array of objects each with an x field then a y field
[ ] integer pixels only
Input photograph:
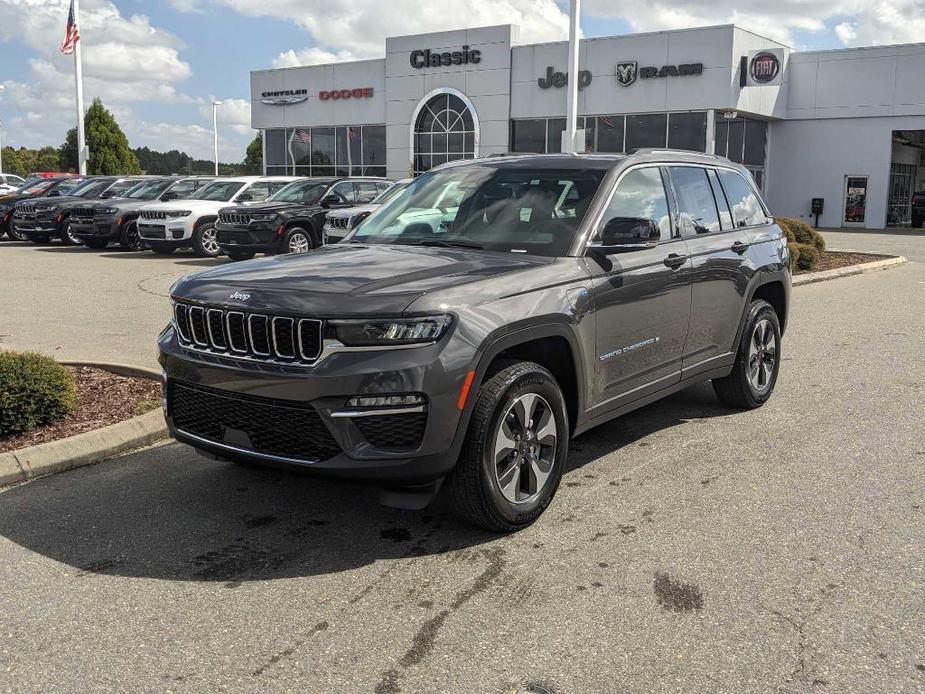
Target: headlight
[
  {"x": 263, "y": 217},
  {"x": 108, "y": 210},
  {"x": 399, "y": 331},
  {"x": 179, "y": 213}
]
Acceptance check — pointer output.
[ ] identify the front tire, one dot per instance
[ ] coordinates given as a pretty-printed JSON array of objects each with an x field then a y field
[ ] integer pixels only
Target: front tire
[
  {"x": 515, "y": 450},
  {"x": 205, "y": 241},
  {"x": 757, "y": 363},
  {"x": 15, "y": 235},
  {"x": 297, "y": 240},
  {"x": 129, "y": 239}
]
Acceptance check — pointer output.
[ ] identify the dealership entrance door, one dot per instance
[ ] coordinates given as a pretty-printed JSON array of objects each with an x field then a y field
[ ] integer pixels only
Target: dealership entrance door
[{"x": 907, "y": 176}]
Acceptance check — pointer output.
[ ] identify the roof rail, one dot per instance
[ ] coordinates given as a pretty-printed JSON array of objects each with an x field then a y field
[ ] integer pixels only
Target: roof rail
[{"x": 674, "y": 152}]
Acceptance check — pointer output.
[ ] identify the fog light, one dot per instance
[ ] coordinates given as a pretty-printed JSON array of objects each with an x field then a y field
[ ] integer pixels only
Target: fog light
[{"x": 386, "y": 400}]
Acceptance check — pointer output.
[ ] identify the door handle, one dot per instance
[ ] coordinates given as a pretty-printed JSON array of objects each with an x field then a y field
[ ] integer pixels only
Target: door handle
[
  {"x": 674, "y": 261},
  {"x": 739, "y": 247}
]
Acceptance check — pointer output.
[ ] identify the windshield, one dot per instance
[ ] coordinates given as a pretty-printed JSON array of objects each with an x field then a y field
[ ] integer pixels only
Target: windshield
[
  {"x": 217, "y": 191},
  {"x": 389, "y": 193},
  {"x": 67, "y": 186},
  {"x": 308, "y": 192},
  {"x": 88, "y": 189},
  {"x": 39, "y": 186},
  {"x": 146, "y": 190},
  {"x": 517, "y": 210}
]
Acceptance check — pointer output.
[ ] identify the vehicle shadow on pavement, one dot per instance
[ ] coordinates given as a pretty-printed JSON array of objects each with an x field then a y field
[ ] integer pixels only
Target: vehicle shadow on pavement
[{"x": 168, "y": 513}]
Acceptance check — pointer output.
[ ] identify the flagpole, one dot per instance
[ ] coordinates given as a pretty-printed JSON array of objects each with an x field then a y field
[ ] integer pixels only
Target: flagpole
[
  {"x": 79, "y": 86},
  {"x": 570, "y": 135}
]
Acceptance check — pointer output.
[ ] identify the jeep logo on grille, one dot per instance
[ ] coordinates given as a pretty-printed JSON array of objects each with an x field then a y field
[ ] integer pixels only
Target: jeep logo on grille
[{"x": 241, "y": 296}]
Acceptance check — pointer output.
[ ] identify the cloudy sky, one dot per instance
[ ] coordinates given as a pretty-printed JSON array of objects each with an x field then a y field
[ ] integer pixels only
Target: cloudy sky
[{"x": 157, "y": 64}]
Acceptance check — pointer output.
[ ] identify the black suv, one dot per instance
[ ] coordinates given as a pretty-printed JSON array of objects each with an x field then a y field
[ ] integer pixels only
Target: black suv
[
  {"x": 458, "y": 349},
  {"x": 98, "y": 224},
  {"x": 918, "y": 209},
  {"x": 40, "y": 219},
  {"x": 292, "y": 220},
  {"x": 34, "y": 188}
]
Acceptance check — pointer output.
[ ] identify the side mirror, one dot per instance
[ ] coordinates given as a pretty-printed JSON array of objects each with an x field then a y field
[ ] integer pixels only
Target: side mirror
[
  {"x": 626, "y": 234},
  {"x": 166, "y": 197},
  {"x": 105, "y": 195},
  {"x": 329, "y": 200},
  {"x": 54, "y": 193},
  {"x": 245, "y": 197}
]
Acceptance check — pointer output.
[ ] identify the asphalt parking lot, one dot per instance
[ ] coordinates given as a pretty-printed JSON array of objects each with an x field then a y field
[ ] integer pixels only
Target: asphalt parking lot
[{"x": 690, "y": 547}]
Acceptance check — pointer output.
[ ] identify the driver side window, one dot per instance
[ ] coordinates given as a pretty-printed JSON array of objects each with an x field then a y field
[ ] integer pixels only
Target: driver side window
[
  {"x": 343, "y": 191},
  {"x": 641, "y": 194}
]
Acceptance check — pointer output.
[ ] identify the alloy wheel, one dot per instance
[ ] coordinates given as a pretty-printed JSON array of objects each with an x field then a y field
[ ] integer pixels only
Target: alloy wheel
[
  {"x": 210, "y": 241},
  {"x": 133, "y": 238},
  {"x": 762, "y": 355},
  {"x": 70, "y": 236},
  {"x": 298, "y": 243},
  {"x": 525, "y": 448}
]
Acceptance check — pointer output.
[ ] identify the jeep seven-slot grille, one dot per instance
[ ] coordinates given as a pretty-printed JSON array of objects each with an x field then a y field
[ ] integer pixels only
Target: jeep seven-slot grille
[
  {"x": 25, "y": 209},
  {"x": 339, "y": 222},
  {"x": 249, "y": 335},
  {"x": 281, "y": 428},
  {"x": 237, "y": 218},
  {"x": 153, "y": 214}
]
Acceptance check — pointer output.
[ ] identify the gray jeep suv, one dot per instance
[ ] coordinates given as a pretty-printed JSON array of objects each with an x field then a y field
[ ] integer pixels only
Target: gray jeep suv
[{"x": 455, "y": 348}]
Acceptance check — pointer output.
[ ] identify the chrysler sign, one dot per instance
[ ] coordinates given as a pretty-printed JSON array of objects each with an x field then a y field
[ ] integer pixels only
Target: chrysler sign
[{"x": 284, "y": 97}]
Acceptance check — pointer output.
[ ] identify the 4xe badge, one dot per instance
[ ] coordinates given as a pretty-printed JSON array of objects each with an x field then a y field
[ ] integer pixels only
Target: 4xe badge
[
  {"x": 241, "y": 296},
  {"x": 626, "y": 73}
]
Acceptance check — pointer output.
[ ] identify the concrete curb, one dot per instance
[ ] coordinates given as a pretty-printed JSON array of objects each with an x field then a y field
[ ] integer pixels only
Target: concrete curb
[
  {"x": 886, "y": 263},
  {"x": 91, "y": 446}
]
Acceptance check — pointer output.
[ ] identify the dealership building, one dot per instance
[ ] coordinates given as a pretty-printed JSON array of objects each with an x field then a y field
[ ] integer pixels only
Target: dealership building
[{"x": 844, "y": 127}]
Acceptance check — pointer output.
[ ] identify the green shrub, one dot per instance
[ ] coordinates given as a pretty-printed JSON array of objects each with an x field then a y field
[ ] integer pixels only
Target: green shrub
[
  {"x": 35, "y": 390},
  {"x": 798, "y": 231},
  {"x": 807, "y": 258}
]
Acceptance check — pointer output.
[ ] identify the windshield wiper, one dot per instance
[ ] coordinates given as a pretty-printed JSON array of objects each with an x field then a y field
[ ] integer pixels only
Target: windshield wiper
[{"x": 449, "y": 244}]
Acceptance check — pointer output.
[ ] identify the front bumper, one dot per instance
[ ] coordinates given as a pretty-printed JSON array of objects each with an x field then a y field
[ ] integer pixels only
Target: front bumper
[
  {"x": 334, "y": 234},
  {"x": 296, "y": 416},
  {"x": 165, "y": 230},
  {"x": 259, "y": 239},
  {"x": 36, "y": 226},
  {"x": 98, "y": 227}
]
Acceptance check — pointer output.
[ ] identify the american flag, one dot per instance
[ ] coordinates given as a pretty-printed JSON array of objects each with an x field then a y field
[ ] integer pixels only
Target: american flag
[
  {"x": 607, "y": 121},
  {"x": 352, "y": 134},
  {"x": 71, "y": 34},
  {"x": 302, "y": 135}
]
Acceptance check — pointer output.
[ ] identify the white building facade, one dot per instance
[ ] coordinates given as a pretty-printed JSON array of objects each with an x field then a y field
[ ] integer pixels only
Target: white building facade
[{"x": 846, "y": 127}]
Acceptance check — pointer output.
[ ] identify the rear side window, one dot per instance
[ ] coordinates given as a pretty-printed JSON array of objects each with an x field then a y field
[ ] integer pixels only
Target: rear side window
[
  {"x": 641, "y": 194},
  {"x": 746, "y": 208},
  {"x": 344, "y": 191},
  {"x": 366, "y": 191},
  {"x": 725, "y": 216},
  {"x": 696, "y": 206}
]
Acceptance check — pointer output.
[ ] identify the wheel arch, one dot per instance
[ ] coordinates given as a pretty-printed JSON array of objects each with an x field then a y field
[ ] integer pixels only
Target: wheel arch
[{"x": 305, "y": 223}]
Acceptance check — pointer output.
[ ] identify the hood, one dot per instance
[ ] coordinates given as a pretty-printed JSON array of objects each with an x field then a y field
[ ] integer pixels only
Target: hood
[
  {"x": 347, "y": 280},
  {"x": 270, "y": 207},
  {"x": 186, "y": 204},
  {"x": 124, "y": 204},
  {"x": 57, "y": 201},
  {"x": 350, "y": 211}
]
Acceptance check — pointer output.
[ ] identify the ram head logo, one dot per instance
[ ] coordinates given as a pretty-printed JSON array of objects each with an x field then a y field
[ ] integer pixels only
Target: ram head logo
[{"x": 626, "y": 73}]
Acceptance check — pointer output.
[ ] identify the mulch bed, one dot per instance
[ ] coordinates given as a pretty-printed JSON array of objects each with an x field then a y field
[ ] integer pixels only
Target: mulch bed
[
  {"x": 103, "y": 399},
  {"x": 830, "y": 260}
]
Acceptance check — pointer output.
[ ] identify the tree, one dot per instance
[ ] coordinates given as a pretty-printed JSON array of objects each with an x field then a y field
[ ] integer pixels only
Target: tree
[
  {"x": 253, "y": 160},
  {"x": 109, "y": 150}
]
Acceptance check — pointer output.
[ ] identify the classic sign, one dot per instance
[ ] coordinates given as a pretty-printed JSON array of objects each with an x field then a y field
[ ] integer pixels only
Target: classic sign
[
  {"x": 426, "y": 58},
  {"x": 560, "y": 79}
]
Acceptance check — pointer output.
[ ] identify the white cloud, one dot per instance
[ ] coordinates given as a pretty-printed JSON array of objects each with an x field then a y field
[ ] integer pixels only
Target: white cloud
[
  {"x": 233, "y": 113},
  {"x": 312, "y": 56},
  {"x": 357, "y": 29}
]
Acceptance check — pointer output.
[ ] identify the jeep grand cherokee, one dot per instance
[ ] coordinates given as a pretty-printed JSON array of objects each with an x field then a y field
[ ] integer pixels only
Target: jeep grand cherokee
[{"x": 458, "y": 351}]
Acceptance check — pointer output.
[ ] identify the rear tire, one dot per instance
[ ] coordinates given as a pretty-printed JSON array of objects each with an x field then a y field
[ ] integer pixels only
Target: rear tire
[
  {"x": 160, "y": 248},
  {"x": 205, "y": 241},
  {"x": 129, "y": 240},
  {"x": 240, "y": 255},
  {"x": 515, "y": 450},
  {"x": 757, "y": 363},
  {"x": 68, "y": 238}
]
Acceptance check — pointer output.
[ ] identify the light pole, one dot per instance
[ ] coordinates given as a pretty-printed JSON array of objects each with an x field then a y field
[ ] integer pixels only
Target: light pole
[
  {"x": 2, "y": 89},
  {"x": 570, "y": 136},
  {"x": 215, "y": 105}
]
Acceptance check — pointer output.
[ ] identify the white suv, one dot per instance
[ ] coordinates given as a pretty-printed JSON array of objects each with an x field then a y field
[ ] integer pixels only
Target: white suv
[{"x": 166, "y": 226}]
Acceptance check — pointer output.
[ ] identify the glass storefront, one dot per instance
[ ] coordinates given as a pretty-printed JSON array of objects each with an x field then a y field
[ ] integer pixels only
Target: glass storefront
[
  {"x": 615, "y": 133},
  {"x": 744, "y": 141},
  {"x": 357, "y": 150}
]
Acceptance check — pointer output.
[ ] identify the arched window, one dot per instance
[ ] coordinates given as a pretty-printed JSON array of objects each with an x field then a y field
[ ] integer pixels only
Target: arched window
[{"x": 445, "y": 128}]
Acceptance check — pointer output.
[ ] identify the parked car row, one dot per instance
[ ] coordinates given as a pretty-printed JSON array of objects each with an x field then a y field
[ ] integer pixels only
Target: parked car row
[{"x": 239, "y": 216}]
